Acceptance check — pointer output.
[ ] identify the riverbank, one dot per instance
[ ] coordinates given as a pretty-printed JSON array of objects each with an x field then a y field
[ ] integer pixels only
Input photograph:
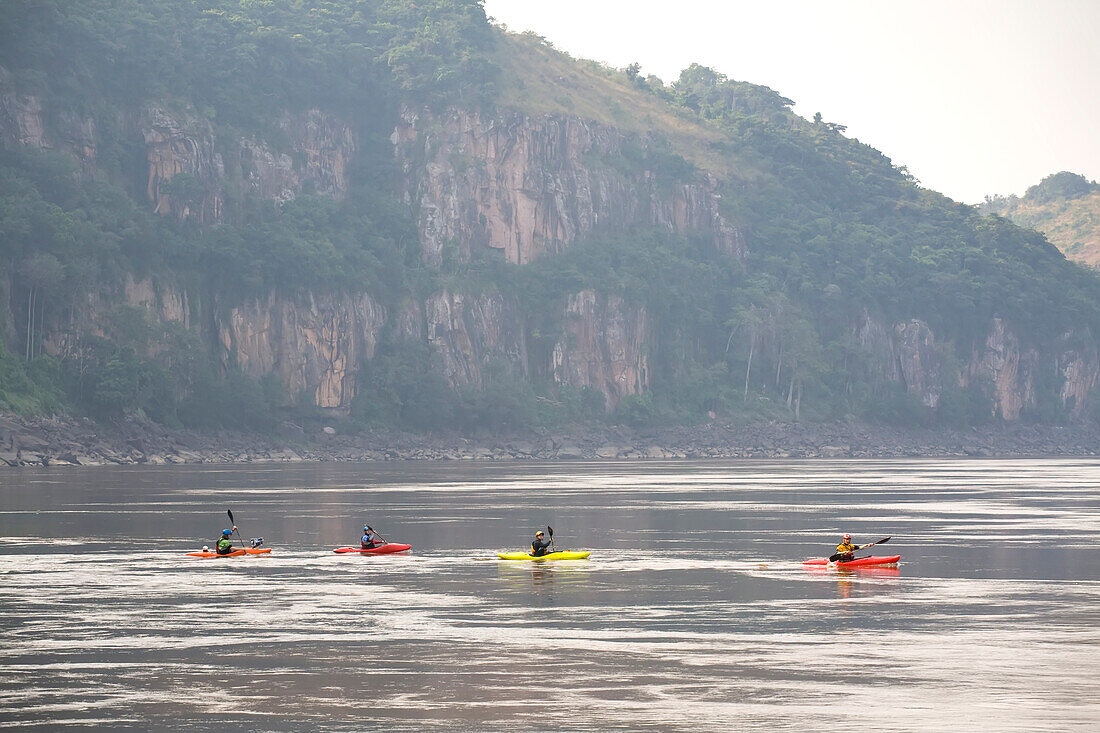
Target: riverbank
[{"x": 81, "y": 442}]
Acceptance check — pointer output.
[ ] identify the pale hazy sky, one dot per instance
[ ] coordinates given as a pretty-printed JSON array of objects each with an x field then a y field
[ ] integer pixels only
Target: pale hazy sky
[{"x": 976, "y": 97}]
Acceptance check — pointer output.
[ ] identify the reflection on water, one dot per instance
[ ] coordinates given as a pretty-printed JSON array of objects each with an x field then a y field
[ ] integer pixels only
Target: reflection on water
[{"x": 694, "y": 611}]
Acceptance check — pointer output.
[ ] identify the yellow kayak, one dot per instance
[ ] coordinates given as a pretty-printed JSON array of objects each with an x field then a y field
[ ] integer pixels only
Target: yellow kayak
[{"x": 562, "y": 555}]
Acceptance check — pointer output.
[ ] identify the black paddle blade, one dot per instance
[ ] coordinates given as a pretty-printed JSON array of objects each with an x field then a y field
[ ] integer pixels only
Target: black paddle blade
[
  {"x": 230, "y": 513},
  {"x": 551, "y": 529},
  {"x": 882, "y": 542},
  {"x": 834, "y": 558}
]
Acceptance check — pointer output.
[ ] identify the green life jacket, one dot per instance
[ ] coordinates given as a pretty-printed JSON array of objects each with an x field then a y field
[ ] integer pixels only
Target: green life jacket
[{"x": 224, "y": 546}]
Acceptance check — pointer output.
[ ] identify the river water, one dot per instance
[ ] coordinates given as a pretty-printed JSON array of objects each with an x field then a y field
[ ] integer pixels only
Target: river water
[{"x": 693, "y": 612}]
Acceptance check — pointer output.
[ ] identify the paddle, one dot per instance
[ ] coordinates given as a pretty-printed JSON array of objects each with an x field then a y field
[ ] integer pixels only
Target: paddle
[
  {"x": 234, "y": 523},
  {"x": 551, "y": 530},
  {"x": 837, "y": 556}
]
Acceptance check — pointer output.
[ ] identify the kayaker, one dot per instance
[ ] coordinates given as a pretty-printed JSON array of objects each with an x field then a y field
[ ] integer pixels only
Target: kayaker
[
  {"x": 370, "y": 539},
  {"x": 225, "y": 544},
  {"x": 539, "y": 546},
  {"x": 847, "y": 549}
]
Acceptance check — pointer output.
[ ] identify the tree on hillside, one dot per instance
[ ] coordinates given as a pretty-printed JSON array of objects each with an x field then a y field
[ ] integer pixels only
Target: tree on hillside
[
  {"x": 42, "y": 273},
  {"x": 1060, "y": 186}
]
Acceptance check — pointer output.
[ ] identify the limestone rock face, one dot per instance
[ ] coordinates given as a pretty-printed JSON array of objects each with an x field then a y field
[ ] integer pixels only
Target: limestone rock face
[
  {"x": 475, "y": 335},
  {"x": 176, "y": 145},
  {"x": 523, "y": 185},
  {"x": 911, "y": 355},
  {"x": 21, "y": 119},
  {"x": 919, "y": 361},
  {"x": 877, "y": 343},
  {"x": 165, "y": 301},
  {"x": 527, "y": 185},
  {"x": 316, "y": 345},
  {"x": 410, "y": 321},
  {"x": 315, "y": 157},
  {"x": 22, "y": 122},
  {"x": 605, "y": 346},
  {"x": 321, "y": 148},
  {"x": 1079, "y": 370},
  {"x": 1010, "y": 370}
]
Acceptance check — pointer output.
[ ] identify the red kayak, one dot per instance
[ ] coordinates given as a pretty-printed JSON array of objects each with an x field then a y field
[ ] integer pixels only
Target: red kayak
[
  {"x": 859, "y": 562},
  {"x": 387, "y": 549}
]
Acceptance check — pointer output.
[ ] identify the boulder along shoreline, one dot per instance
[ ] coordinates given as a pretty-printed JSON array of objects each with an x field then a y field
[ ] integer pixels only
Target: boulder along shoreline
[{"x": 66, "y": 441}]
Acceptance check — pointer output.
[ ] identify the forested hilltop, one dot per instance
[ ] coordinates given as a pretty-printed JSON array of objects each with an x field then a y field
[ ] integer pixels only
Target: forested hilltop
[
  {"x": 235, "y": 215},
  {"x": 1064, "y": 206}
]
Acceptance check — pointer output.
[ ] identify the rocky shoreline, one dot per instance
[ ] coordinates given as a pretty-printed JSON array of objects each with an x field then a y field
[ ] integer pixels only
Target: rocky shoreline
[{"x": 63, "y": 441}]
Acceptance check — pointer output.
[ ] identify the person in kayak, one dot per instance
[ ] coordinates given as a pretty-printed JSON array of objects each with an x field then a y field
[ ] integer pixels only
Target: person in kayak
[
  {"x": 540, "y": 545},
  {"x": 225, "y": 544},
  {"x": 370, "y": 539},
  {"x": 846, "y": 549}
]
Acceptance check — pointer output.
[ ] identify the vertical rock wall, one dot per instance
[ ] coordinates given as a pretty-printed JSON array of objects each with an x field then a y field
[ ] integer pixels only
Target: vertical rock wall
[
  {"x": 22, "y": 122},
  {"x": 919, "y": 361},
  {"x": 173, "y": 145},
  {"x": 605, "y": 346},
  {"x": 912, "y": 356},
  {"x": 1079, "y": 371},
  {"x": 528, "y": 185},
  {"x": 1011, "y": 371},
  {"x": 21, "y": 117},
  {"x": 520, "y": 184},
  {"x": 315, "y": 345},
  {"x": 319, "y": 148},
  {"x": 475, "y": 334}
]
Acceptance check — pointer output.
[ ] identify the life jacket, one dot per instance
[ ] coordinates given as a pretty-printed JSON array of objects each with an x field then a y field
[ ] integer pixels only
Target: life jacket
[
  {"x": 224, "y": 546},
  {"x": 846, "y": 547}
]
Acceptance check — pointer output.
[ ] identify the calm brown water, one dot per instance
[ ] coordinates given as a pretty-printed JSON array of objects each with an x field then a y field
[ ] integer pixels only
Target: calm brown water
[{"x": 694, "y": 611}]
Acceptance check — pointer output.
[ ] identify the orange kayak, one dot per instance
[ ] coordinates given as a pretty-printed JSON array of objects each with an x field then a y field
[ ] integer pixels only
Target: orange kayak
[{"x": 236, "y": 553}]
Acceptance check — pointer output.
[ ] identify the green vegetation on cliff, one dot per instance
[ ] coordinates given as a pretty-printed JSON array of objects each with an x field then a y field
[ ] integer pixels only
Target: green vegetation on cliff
[{"x": 840, "y": 241}]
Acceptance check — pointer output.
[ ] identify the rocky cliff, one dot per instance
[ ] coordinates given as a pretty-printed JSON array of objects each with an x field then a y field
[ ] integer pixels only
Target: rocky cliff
[
  {"x": 527, "y": 185},
  {"x": 910, "y": 355},
  {"x": 514, "y": 183},
  {"x": 605, "y": 346},
  {"x": 23, "y": 121},
  {"x": 315, "y": 154},
  {"x": 473, "y": 333},
  {"x": 189, "y": 167},
  {"x": 314, "y": 344},
  {"x": 524, "y": 185}
]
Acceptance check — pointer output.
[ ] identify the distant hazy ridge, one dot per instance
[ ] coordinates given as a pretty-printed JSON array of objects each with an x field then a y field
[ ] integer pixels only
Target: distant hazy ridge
[{"x": 1065, "y": 207}]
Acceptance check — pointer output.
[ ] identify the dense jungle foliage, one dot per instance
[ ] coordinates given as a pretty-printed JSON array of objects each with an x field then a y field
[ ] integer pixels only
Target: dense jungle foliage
[{"x": 836, "y": 232}]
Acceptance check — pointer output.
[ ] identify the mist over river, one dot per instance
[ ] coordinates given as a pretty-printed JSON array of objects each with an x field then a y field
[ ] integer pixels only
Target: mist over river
[{"x": 694, "y": 611}]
